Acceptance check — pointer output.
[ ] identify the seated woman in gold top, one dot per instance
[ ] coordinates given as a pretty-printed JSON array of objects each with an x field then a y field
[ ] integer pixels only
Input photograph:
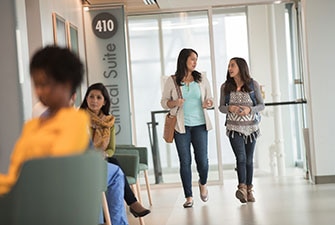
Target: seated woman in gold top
[
  {"x": 56, "y": 73},
  {"x": 61, "y": 130}
]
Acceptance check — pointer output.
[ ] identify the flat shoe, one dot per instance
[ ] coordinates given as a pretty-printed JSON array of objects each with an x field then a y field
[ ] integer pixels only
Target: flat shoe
[
  {"x": 204, "y": 198},
  {"x": 188, "y": 204},
  {"x": 139, "y": 214}
]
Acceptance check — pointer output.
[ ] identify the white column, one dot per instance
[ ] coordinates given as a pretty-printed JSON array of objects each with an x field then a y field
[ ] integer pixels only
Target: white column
[{"x": 278, "y": 129}]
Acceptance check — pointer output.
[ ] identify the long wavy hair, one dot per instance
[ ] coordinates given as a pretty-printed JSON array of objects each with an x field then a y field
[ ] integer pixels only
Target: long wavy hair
[
  {"x": 230, "y": 84},
  {"x": 102, "y": 88},
  {"x": 182, "y": 68}
]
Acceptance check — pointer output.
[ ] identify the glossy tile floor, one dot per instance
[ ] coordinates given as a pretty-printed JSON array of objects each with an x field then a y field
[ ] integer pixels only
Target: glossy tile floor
[{"x": 279, "y": 201}]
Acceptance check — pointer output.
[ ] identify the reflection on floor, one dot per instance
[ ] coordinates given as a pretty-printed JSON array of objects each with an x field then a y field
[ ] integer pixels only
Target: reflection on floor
[{"x": 288, "y": 200}]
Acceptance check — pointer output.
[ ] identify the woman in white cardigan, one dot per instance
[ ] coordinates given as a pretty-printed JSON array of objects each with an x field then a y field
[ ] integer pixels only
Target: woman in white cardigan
[{"x": 193, "y": 121}]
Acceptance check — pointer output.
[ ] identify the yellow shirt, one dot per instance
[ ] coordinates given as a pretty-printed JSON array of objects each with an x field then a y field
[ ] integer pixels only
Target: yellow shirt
[{"x": 64, "y": 134}]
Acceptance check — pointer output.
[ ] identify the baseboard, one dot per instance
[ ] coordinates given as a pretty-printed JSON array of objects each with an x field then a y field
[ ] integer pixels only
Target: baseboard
[{"x": 324, "y": 179}]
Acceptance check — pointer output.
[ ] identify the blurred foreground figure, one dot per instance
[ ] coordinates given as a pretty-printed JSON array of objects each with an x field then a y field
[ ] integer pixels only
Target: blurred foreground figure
[{"x": 62, "y": 130}]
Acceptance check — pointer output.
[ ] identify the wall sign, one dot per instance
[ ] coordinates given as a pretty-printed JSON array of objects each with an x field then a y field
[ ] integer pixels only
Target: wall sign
[
  {"x": 107, "y": 63},
  {"x": 104, "y": 25}
]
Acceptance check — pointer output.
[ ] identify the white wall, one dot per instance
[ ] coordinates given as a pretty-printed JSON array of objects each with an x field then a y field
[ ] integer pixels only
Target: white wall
[
  {"x": 70, "y": 10},
  {"x": 10, "y": 95},
  {"x": 34, "y": 30},
  {"x": 40, "y": 23},
  {"x": 320, "y": 33}
]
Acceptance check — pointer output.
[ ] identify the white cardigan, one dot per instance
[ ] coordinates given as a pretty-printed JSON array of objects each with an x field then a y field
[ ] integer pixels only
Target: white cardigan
[{"x": 170, "y": 93}]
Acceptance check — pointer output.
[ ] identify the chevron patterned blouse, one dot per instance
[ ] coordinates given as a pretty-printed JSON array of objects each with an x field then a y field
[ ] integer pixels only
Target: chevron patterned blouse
[{"x": 244, "y": 125}]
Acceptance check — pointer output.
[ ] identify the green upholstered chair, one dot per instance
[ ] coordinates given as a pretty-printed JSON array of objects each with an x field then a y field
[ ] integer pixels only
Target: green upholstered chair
[
  {"x": 129, "y": 163},
  {"x": 57, "y": 190},
  {"x": 143, "y": 165}
]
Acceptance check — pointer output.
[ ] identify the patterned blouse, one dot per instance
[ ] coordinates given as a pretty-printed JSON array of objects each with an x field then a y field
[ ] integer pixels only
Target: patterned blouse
[{"x": 245, "y": 125}]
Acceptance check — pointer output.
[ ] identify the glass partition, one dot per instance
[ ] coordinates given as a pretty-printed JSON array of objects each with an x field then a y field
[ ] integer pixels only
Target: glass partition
[
  {"x": 265, "y": 35},
  {"x": 155, "y": 42}
]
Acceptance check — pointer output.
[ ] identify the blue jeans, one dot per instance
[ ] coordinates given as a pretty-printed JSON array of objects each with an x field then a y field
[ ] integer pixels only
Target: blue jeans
[
  {"x": 114, "y": 195},
  {"x": 197, "y": 136},
  {"x": 244, "y": 154}
]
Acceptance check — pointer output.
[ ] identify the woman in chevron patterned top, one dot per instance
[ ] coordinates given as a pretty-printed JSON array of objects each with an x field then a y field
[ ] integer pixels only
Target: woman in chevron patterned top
[{"x": 241, "y": 101}]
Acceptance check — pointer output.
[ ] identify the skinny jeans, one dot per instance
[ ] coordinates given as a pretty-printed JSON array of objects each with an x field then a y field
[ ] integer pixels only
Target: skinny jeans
[
  {"x": 197, "y": 136},
  {"x": 244, "y": 153}
]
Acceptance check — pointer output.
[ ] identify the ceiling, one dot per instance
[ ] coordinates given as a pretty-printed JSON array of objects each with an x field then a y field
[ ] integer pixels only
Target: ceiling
[
  {"x": 138, "y": 6},
  {"x": 131, "y": 6}
]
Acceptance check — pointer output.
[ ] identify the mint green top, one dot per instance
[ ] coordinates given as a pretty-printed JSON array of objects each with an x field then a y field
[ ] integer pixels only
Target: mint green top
[
  {"x": 193, "y": 111},
  {"x": 170, "y": 92}
]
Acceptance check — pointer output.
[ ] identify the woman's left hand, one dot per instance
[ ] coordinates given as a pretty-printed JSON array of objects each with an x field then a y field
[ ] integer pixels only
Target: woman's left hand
[{"x": 207, "y": 103}]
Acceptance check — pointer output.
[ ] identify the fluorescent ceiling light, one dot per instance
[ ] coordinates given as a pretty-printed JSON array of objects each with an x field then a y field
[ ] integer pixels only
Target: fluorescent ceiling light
[
  {"x": 149, "y": 2},
  {"x": 170, "y": 26}
]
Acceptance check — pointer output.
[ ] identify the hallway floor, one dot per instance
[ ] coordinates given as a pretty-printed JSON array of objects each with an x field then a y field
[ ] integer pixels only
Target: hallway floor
[{"x": 288, "y": 200}]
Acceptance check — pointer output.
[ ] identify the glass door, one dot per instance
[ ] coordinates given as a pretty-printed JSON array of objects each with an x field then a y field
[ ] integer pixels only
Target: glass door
[{"x": 155, "y": 42}]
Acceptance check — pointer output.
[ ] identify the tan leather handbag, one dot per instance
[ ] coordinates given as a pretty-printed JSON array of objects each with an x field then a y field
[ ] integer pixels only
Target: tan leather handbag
[{"x": 171, "y": 120}]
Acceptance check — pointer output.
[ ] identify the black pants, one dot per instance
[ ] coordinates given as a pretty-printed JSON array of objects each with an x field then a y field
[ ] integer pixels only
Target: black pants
[{"x": 129, "y": 196}]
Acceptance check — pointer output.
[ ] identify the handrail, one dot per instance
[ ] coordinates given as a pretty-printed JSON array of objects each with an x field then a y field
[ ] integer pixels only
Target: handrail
[{"x": 298, "y": 101}]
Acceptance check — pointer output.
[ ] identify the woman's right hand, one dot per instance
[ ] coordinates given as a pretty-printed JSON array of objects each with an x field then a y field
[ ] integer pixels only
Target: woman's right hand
[
  {"x": 174, "y": 103},
  {"x": 180, "y": 102}
]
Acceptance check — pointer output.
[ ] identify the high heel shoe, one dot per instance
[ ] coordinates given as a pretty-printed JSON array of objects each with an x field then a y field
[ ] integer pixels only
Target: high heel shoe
[{"x": 139, "y": 214}]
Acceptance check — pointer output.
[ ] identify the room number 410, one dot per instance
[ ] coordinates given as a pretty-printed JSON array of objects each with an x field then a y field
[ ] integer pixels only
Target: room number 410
[{"x": 104, "y": 25}]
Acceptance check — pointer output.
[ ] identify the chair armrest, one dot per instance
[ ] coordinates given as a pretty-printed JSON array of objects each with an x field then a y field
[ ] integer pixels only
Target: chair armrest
[
  {"x": 125, "y": 146},
  {"x": 127, "y": 151}
]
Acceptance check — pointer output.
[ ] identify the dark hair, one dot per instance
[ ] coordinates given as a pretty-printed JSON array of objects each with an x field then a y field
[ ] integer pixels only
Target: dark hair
[
  {"x": 60, "y": 64},
  {"x": 230, "y": 84},
  {"x": 102, "y": 88},
  {"x": 181, "y": 66}
]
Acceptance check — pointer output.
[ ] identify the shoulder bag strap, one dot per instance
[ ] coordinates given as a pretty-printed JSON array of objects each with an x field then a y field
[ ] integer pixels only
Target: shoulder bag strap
[
  {"x": 177, "y": 87},
  {"x": 252, "y": 93}
]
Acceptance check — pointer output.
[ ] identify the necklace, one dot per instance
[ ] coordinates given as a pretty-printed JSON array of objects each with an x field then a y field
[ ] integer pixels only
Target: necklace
[
  {"x": 188, "y": 79},
  {"x": 187, "y": 87}
]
